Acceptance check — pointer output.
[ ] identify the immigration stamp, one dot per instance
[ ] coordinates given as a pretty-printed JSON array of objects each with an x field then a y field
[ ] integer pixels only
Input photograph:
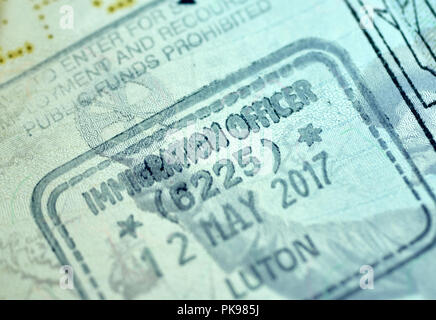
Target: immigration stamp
[{"x": 283, "y": 177}]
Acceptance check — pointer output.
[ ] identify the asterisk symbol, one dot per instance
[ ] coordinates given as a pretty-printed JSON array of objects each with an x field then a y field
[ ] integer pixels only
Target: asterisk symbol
[
  {"x": 129, "y": 226},
  {"x": 309, "y": 134}
]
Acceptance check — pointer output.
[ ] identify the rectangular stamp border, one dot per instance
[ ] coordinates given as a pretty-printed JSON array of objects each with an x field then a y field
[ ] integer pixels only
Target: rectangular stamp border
[{"x": 319, "y": 51}]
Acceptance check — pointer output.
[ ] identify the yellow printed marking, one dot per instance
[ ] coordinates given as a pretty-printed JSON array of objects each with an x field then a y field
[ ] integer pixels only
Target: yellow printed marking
[
  {"x": 120, "y": 4},
  {"x": 18, "y": 52},
  {"x": 97, "y": 3},
  {"x": 29, "y": 47},
  {"x": 39, "y": 8}
]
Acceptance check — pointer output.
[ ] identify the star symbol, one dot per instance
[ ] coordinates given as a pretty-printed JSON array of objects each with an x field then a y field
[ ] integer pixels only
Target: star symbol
[
  {"x": 129, "y": 226},
  {"x": 309, "y": 134}
]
